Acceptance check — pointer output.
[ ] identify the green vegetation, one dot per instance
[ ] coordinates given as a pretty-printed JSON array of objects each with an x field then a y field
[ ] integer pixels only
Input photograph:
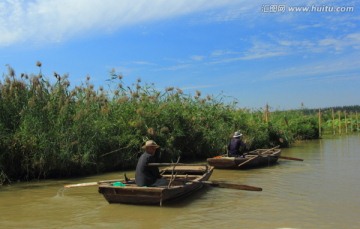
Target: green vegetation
[{"x": 51, "y": 130}]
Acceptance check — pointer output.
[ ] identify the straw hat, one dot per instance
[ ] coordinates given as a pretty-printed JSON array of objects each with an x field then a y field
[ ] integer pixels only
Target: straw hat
[
  {"x": 150, "y": 143},
  {"x": 237, "y": 134}
]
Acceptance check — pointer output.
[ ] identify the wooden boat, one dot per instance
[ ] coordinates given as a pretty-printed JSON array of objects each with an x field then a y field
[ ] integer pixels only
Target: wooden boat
[
  {"x": 183, "y": 180},
  {"x": 252, "y": 159}
]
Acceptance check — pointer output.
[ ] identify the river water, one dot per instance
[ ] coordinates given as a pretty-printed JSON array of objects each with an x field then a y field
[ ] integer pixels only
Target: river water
[{"x": 323, "y": 191}]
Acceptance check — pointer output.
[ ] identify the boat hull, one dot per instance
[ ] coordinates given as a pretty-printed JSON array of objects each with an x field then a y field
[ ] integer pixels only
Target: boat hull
[
  {"x": 254, "y": 159},
  {"x": 182, "y": 184}
]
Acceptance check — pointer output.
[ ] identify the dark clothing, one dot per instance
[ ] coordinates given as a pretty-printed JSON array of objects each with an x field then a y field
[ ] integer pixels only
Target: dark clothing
[
  {"x": 146, "y": 175},
  {"x": 234, "y": 147}
]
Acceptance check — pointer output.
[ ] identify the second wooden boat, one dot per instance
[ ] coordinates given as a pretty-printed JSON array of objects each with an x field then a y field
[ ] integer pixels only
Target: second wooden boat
[{"x": 252, "y": 159}]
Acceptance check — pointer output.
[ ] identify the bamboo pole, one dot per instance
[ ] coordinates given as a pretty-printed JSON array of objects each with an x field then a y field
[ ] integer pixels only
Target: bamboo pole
[
  {"x": 319, "y": 123},
  {"x": 267, "y": 113},
  {"x": 346, "y": 124},
  {"x": 333, "y": 120},
  {"x": 339, "y": 114},
  {"x": 357, "y": 122}
]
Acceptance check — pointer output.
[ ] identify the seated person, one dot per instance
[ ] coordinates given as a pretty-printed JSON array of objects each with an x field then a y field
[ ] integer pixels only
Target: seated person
[
  {"x": 235, "y": 144},
  {"x": 148, "y": 175}
]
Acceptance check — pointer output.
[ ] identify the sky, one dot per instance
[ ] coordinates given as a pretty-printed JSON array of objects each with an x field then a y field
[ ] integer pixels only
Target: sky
[{"x": 287, "y": 54}]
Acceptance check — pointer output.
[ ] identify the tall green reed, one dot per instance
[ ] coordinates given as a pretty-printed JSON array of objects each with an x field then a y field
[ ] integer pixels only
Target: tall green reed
[{"x": 51, "y": 129}]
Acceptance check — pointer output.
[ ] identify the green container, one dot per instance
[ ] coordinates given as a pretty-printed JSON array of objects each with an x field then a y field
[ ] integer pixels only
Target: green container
[{"x": 118, "y": 184}]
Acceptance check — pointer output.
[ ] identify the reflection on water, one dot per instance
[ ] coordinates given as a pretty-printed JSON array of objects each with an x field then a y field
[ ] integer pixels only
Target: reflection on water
[{"x": 320, "y": 192}]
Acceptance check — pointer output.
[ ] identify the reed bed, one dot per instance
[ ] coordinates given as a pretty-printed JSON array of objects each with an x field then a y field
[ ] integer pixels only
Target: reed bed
[{"x": 49, "y": 129}]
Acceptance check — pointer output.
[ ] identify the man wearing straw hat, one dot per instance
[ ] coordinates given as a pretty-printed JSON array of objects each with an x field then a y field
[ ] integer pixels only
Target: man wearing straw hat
[
  {"x": 148, "y": 175},
  {"x": 235, "y": 145}
]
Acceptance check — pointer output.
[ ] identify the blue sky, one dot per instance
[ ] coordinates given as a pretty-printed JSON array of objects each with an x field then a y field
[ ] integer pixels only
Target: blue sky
[{"x": 255, "y": 52}]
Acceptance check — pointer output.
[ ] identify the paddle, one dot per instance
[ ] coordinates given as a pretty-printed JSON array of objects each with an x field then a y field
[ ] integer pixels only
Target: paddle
[
  {"x": 81, "y": 185},
  {"x": 248, "y": 160},
  {"x": 89, "y": 183},
  {"x": 291, "y": 158},
  {"x": 174, "y": 164},
  {"x": 218, "y": 184},
  {"x": 258, "y": 155},
  {"x": 221, "y": 184}
]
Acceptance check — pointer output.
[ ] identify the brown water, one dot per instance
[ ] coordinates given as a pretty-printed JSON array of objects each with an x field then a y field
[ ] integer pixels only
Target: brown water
[{"x": 321, "y": 192}]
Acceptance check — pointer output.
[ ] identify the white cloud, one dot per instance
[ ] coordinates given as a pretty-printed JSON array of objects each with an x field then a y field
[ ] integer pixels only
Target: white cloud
[
  {"x": 327, "y": 44},
  {"x": 140, "y": 62},
  {"x": 197, "y": 57},
  {"x": 339, "y": 66},
  {"x": 258, "y": 50},
  {"x": 217, "y": 53},
  {"x": 339, "y": 44},
  {"x": 58, "y": 20},
  {"x": 175, "y": 67},
  {"x": 336, "y": 78},
  {"x": 197, "y": 87},
  {"x": 264, "y": 50}
]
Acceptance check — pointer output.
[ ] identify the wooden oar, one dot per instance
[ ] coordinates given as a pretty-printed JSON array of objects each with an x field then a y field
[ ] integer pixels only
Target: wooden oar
[
  {"x": 81, "y": 185},
  {"x": 291, "y": 158},
  {"x": 220, "y": 184},
  {"x": 248, "y": 160},
  {"x": 174, "y": 164},
  {"x": 90, "y": 183},
  {"x": 284, "y": 157}
]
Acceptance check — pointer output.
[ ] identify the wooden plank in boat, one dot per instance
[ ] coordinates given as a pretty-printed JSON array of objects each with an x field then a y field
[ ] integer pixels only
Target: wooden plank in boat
[{"x": 185, "y": 168}]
